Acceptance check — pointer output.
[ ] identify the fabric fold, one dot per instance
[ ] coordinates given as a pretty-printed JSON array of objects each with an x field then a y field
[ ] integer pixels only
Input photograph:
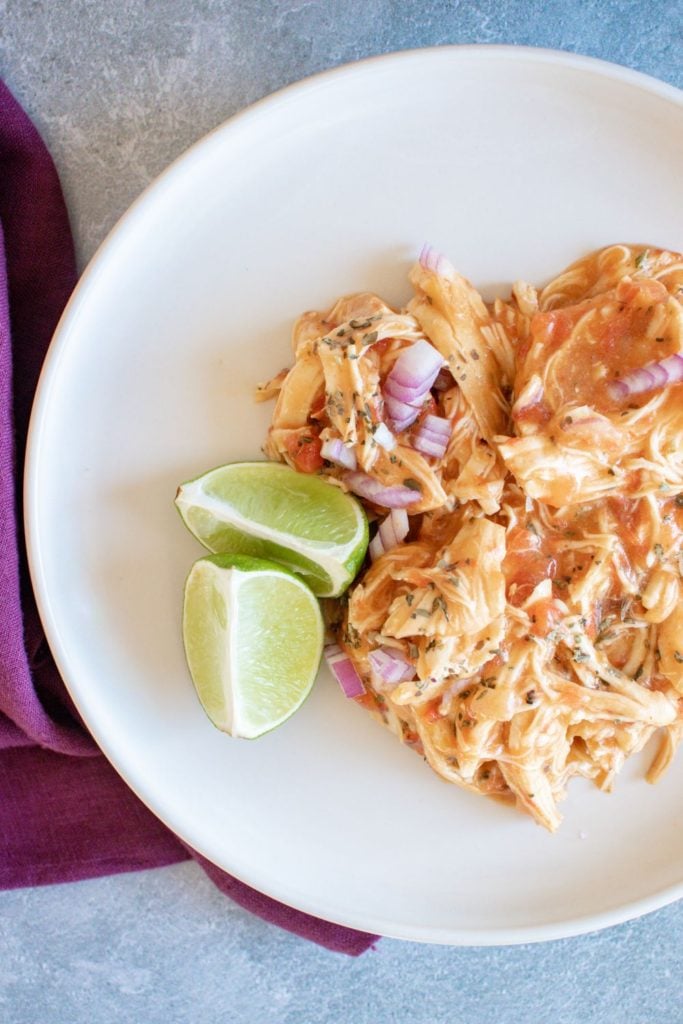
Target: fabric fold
[{"x": 65, "y": 814}]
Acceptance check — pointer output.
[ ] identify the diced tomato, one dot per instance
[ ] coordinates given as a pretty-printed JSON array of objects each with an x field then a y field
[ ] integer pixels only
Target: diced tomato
[
  {"x": 538, "y": 414},
  {"x": 552, "y": 328},
  {"x": 431, "y": 712},
  {"x": 380, "y": 347},
  {"x": 304, "y": 450},
  {"x": 612, "y": 334},
  {"x": 523, "y": 350},
  {"x": 641, "y": 293},
  {"x": 318, "y": 407},
  {"x": 525, "y": 564},
  {"x": 545, "y": 617},
  {"x": 490, "y": 668}
]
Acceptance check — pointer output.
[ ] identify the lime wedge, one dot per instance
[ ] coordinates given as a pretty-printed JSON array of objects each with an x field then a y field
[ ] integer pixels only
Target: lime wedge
[
  {"x": 253, "y": 636},
  {"x": 268, "y": 510}
]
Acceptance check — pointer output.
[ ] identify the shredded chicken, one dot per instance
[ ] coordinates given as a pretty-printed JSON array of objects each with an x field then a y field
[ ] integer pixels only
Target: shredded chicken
[{"x": 538, "y": 594}]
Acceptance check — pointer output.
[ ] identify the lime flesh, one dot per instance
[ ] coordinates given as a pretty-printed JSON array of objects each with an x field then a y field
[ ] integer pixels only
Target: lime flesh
[
  {"x": 253, "y": 636},
  {"x": 267, "y": 510}
]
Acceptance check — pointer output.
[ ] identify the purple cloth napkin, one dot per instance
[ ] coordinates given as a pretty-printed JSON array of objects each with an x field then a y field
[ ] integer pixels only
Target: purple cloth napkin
[{"x": 65, "y": 814}]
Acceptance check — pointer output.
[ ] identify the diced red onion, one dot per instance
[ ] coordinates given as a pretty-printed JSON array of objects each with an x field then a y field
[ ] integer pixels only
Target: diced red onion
[
  {"x": 416, "y": 366},
  {"x": 433, "y": 436},
  {"x": 430, "y": 438},
  {"x": 391, "y": 665},
  {"x": 391, "y": 531},
  {"x": 399, "y": 524},
  {"x": 402, "y": 394},
  {"x": 396, "y": 496},
  {"x": 409, "y": 380},
  {"x": 440, "y": 426},
  {"x": 376, "y": 548},
  {"x": 344, "y": 671},
  {"x": 336, "y": 451},
  {"x": 430, "y": 259},
  {"x": 383, "y": 437},
  {"x": 426, "y": 447},
  {"x": 647, "y": 378},
  {"x": 400, "y": 414}
]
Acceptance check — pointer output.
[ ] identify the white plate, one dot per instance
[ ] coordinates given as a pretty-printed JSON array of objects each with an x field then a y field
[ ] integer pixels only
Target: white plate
[{"x": 514, "y": 162}]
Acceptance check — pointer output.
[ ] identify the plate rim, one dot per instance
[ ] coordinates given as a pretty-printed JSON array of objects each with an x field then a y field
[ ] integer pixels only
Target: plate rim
[{"x": 97, "y": 266}]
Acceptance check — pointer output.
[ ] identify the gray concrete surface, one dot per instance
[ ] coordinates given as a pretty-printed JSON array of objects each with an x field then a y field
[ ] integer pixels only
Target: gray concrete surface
[
  {"x": 165, "y": 946},
  {"x": 119, "y": 88}
]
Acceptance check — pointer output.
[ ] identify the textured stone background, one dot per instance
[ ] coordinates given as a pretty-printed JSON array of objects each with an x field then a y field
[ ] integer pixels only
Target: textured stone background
[{"x": 119, "y": 88}]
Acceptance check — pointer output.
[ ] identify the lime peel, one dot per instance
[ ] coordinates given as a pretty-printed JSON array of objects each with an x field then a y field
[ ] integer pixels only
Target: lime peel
[
  {"x": 288, "y": 513},
  {"x": 253, "y": 635}
]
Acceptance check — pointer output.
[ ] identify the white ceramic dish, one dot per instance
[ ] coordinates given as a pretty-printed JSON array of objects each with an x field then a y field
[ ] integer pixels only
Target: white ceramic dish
[{"x": 514, "y": 162}]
